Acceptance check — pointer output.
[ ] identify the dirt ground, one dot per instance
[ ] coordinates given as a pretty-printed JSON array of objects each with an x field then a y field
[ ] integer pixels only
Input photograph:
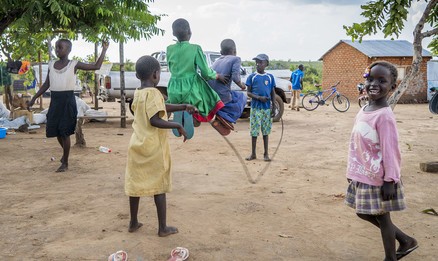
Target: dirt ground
[{"x": 294, "y": 211}]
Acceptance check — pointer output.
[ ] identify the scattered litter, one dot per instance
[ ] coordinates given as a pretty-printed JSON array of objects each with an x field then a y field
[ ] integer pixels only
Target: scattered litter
[
  {"x": 52, "y": 158},
  {"x": 118, "y": 256},
  {"x": 179, "y": 253},
  {"x": 339, "y": 196},
  {"x": 285, "y": 236},
  {"x": 104, "y": 149},
  {"x": 430, "y": 211},
  {"x": 278, "y": 191}
]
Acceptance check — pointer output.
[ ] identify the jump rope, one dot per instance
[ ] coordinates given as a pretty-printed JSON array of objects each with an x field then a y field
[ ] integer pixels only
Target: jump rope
[{"x": 242, "y": 161}]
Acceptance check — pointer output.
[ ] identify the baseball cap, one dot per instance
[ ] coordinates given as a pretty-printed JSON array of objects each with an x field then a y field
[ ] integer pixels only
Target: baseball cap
[{"x": 261, "y": 57}]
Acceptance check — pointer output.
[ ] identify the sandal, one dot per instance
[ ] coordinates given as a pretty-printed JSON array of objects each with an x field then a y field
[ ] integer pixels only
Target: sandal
[
  {"x": 224, "y": 122},
  {"x": 224, "y": 131},
  {"x": 118, "y": 256},
  {"x": 179, "y": 254}
]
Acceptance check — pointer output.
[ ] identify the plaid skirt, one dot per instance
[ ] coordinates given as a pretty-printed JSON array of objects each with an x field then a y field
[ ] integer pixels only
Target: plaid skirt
[{"x": 367, "y": 199}]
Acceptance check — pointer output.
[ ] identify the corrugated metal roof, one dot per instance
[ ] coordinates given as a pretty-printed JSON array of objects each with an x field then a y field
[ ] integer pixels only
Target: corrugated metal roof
[{"x": 383, "y": 48}]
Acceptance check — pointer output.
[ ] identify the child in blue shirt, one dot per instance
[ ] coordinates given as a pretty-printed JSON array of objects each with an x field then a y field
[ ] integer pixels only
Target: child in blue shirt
[
  {"x": 261, "y": 88},
  {"x": 229, "y": 66}
]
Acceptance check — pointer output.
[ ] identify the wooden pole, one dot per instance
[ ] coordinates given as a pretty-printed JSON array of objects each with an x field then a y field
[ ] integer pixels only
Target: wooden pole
[
  {"x": 96, "y": 80},
  {"x": 122, "y": 87},
  {"x": 40, "y": 83}
]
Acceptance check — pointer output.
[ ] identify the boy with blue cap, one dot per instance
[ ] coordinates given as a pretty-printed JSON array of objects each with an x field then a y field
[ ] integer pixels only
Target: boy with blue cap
[{"x": 261, "y": 88}]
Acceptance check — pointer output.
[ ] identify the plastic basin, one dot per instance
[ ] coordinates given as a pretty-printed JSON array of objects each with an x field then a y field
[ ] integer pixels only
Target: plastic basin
[{"x": 3, "y": 133}]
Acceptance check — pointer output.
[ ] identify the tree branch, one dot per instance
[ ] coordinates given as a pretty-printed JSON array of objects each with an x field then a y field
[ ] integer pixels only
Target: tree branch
[
  {"x": 430, "y": 33},
  {"x": 9, "y": 18},
  {"x": 420, "y": 25}
]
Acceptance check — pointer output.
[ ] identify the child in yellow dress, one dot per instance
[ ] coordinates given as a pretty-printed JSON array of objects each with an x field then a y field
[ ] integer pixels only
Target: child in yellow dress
[{"x": 149, "y": 164}]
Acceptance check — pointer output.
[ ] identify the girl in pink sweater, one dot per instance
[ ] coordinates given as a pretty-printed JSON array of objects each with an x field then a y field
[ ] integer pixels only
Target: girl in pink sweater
[{"x": 375, "y": 188}]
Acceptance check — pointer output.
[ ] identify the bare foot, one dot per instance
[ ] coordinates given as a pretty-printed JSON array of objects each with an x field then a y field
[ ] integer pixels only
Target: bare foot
[
  {"x": 134, "y": 227},
  {"x": 62, "y": 168},
  {"x": 266, "y": 158},
  {"x": 251, "y": 157},
  {"x": 167, "y": 231}
]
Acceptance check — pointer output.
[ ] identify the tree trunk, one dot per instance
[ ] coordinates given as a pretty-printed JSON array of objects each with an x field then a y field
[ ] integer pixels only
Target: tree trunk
[
  {"x": 122, "y": 86},
  {"x": 414, "y": 75},
  {"x": 96, "y": 78}
]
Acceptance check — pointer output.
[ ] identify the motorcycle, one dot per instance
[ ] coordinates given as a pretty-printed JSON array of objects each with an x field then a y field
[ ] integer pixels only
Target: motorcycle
[
  {"x": 102, "y": 95},
  {"x": 363, "y": 98}
]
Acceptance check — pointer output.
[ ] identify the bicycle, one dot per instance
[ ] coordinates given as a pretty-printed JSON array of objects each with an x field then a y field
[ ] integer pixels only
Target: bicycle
[{"x": 313, "y": 99}]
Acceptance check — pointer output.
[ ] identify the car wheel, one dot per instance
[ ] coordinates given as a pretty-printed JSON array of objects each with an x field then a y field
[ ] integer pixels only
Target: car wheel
[{"x": 279, "y": 108}]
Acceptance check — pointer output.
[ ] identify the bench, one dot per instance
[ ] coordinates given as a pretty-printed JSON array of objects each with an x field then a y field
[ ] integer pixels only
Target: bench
[{"x": 80, "y": 140}]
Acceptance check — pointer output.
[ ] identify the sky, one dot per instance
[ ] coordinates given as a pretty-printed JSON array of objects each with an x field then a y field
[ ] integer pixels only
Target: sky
[{"x": 296, "y": 30}]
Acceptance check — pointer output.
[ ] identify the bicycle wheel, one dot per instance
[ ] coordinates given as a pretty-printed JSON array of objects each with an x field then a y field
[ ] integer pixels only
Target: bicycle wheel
[
  {"x": 310, "y": 101},
  {"x": 341, "y": 103}
]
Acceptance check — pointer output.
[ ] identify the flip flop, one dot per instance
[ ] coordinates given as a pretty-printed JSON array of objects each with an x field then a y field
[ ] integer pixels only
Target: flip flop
[
  {"x": 188, "y": 124},
  {"x": 400, "y": 255},
  {"x": 186, "y": 120},
  {"x": 224, "y": 131},
  {"x": 179, "y": 254},
  {"x": 177, "y": 117},
  {"x": 118, "y": 256}
]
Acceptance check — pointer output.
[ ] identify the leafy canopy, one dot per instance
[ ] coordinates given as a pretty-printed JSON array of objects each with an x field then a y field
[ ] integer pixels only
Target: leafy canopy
[
  {"x": 26, "y": 24},
  {"x": 389, "y": 17}
]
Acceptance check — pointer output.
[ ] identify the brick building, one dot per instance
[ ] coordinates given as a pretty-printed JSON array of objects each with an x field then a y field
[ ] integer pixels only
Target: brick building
[{"x": 347, "y": 60}]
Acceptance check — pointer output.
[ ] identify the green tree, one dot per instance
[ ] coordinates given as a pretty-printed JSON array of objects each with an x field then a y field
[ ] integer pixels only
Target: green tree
[
  {"x": 389, "y": 17},
  {"x": 117, "y": 20},
  {"x": 25, "y": 25},
  {"x": 129, "y": 66}
]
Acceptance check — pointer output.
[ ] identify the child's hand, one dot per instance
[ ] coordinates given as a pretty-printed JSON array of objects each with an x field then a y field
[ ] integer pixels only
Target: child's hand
[
  {"x": 182, "y": 132},
  {"x": 191, "y": 109},
  {"x": 222, "y": 79},
  {"x": 263, "y": 98},
  {"x": 388, "y": 190}
]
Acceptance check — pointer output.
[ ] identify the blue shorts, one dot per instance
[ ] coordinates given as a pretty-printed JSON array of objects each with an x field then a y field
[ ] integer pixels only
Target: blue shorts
[{"x": 260, "y": 119}]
